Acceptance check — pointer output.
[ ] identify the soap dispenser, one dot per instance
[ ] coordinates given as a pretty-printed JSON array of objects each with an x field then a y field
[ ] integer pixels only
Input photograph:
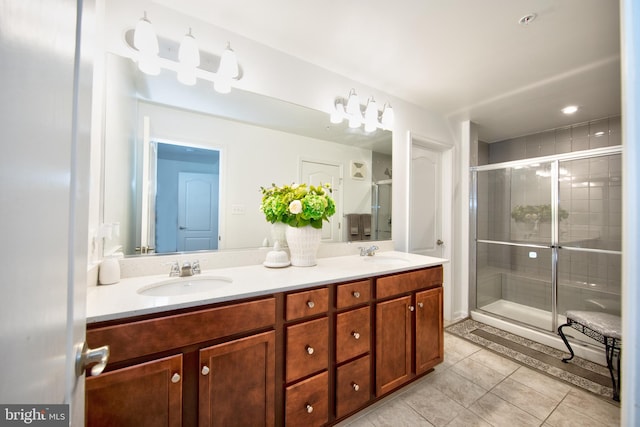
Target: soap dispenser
[{"x": 109, "y": 272}]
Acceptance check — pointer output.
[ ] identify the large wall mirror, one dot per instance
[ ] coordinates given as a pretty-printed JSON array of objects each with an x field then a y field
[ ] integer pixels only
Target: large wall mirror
[{"x": 183, "y": 165}]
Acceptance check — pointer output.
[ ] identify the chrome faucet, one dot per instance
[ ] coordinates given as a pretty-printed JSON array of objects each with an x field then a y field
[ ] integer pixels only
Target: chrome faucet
[
  {"x": 370, "y": 251},
  {"x": 187, "y": 269},
  {"x": 175, "y": 269}
]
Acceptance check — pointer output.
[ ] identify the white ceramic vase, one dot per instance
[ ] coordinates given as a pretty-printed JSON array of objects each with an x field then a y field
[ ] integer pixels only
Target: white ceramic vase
[{"x": 303, "y": 245}]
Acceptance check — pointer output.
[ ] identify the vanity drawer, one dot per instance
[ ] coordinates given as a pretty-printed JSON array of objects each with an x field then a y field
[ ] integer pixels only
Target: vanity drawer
[
  {"x": 355, "y": 293},
  {"x": 407, "y": 282},
  {"x": 141, "y": 338},
  {"x": 353, "y": 385},
  {"x": 307, "y": 348},
  {"x": 352, "y": 333},
  {"x": 307, "y": 403},
  {"x": 307, "y": 303}
]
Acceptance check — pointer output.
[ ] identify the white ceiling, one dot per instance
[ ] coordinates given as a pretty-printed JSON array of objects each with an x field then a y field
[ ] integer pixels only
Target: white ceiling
[{"x": 463, "y": 59}]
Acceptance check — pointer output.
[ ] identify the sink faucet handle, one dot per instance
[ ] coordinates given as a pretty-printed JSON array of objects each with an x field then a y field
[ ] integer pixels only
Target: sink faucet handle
[
  {"x": 175, "y": 269},
  {"x": 195, "y": 267}
]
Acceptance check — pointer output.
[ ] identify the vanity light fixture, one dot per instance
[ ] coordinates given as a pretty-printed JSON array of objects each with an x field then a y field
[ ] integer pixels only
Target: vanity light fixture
[
  {"x": 153, "y": 54},
  {"x": 351, "y": 110}
]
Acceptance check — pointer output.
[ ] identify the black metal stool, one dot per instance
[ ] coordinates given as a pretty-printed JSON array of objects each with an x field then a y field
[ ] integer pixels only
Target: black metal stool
[{"x": 604, "y": 328}]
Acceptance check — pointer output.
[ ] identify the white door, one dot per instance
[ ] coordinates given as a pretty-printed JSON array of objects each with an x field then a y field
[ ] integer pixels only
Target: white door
[
  {"x": 197, "y": 211},
  {"x": 44, "y": 199},
  {"x": 316, "y": 173},
  {"x": 425, "y": 231}
]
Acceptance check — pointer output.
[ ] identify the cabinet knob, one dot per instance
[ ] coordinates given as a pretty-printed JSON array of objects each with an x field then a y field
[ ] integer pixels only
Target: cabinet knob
[
  {"x": 310, "y": 304},
  {"x": 420, "y": 304},
  {"x": 205, "y": 370},
  {"x": 175, "y": 378},
  {"x": 309, "y": 349},
  {"x": 356, "y": 294},
  {"x": 355, "y": 386},
  {"x": 309, "y": 408},
  {"x": 356, "y": 335},
  {"x": 411, "y": 308}
]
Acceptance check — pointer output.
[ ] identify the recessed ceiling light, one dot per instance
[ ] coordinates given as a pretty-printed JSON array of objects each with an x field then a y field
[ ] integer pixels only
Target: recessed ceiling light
[
  {"x": 527, "y": 19},
  {"x": 570, "y": 109}
]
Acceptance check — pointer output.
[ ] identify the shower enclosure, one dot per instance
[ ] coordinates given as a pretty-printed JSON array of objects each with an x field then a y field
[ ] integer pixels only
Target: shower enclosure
[
  {"x": 381, "y": 209},
  {"x": 547, "y": 237}
]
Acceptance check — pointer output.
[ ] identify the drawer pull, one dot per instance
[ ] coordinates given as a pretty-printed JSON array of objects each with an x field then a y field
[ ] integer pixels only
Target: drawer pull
[
  {"x": 412, "y": 308},
  {"x": 356, "y": 294},
  {"x": 310, "y": 304},
  {"x": 205, "y": 370},
  {"x": 355, "y": 386},
  {"x": 309, "y": 349},
  {"x": 309, "y": 408},
  {"x": 175, "y": 378},
  {"x": 356, "y": 335},
  {"x": 420, "y": 304}
]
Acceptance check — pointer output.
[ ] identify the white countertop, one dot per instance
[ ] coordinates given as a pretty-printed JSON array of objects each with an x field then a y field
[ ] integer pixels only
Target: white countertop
[{"x": 121, "y": 300}]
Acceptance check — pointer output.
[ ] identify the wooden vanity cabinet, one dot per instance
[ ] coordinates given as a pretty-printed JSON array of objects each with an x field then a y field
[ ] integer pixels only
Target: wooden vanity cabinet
[
  {"x": 144, "y": 394},
  {"x": 306, "y": 358},
  {"x": 231, "y": 380},
  {"x": 409, "y": 335},
  {"x": 237, "y": 382}
]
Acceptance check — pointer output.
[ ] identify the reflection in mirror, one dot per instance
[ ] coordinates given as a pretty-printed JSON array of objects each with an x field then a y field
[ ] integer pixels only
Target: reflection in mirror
[{"x": 255, "y": 141}]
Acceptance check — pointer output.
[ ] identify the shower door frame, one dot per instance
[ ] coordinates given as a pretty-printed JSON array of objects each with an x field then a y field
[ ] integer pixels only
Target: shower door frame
[{"x": 554, "y": 160}]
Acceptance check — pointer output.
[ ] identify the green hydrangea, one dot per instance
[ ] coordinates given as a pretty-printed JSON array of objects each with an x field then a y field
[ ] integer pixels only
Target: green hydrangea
[{"x": 298, "y": 204}]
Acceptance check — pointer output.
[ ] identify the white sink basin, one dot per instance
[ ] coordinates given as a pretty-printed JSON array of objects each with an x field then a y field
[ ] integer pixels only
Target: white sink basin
[
  {"x": 385, "y": 260},
  {"x": 185, "y": 286}
]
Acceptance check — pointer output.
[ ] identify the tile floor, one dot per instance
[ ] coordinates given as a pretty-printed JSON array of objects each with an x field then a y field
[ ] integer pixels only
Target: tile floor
[{"x": 475, "y": 387}]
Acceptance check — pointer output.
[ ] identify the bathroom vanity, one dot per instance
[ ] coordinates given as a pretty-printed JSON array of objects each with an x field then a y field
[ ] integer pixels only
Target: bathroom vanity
[{"x": 295, "y": 346}]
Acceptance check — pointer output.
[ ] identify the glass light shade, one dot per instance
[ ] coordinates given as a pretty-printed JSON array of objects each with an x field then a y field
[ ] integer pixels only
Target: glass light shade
[
  {"x": 149, "y": 64},
  {"x": 189, "y": 55},
  {"x": 354, "y": 122},
  {"x": 353, "y": 104},
  {"x": 144, "y": 38},
  {"x": 337, "y": 114},
  {"x": 146, "y": 41},
  {"x": 222, "y": 85},
  {"x": 371, "y": 115},
  {"x": 387, "y": 117},
  {"x": 228, "y": 64}
]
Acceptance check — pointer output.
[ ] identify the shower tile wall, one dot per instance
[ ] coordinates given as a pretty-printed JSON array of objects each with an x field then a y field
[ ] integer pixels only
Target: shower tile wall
[
  {"x": 590, "y": 192},
  {"x": 578, "y": 137}
]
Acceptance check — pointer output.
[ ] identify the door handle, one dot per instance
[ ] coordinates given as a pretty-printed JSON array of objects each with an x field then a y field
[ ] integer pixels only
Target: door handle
[
  {"x": 98, "y": 357},
  {"x": 182, "y": 227},
  {"x": 439, "y": 242}
]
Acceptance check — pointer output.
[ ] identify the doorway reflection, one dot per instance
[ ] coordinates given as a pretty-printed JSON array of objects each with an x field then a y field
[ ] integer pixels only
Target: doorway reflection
[{"x": 187, "y": 193}]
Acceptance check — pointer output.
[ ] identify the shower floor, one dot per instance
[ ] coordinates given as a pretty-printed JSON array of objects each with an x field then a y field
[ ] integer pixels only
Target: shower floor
[{"x": 540, "y": 319}]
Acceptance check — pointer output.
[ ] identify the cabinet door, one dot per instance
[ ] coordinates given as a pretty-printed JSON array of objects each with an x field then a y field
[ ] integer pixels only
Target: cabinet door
[
  {"x": 149, "y": 394},
  {"x": 393, "y": 343},
  {"x": 237, "y": 382},
  {"x": 429, "y": 330}
]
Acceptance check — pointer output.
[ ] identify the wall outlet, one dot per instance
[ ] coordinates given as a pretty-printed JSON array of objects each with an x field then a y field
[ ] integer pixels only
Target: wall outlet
[{"x": 238, "y": 210}]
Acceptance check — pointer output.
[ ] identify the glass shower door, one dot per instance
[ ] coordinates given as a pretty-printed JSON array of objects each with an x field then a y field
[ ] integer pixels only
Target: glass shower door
[
  {"x": 514, "y": 243},
  {"x": 590, "y": 234}
]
